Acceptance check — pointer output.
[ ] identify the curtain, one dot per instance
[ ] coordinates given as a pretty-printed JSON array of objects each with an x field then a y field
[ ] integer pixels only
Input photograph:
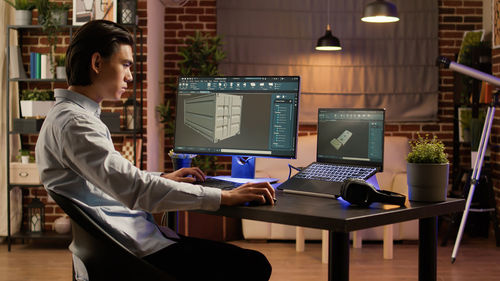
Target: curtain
[
  {"x": 388, "y": 65},
  {"x": 6, "y": 13}
]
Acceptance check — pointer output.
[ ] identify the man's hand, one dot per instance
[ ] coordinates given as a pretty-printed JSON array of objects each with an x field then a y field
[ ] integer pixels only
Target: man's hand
[
  {"x": 189, "y": 175},
  {"x": 260, "y": 193}
]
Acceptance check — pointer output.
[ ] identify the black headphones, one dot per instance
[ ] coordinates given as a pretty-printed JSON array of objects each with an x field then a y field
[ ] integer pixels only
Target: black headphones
[{"x": 361, "y": 193}]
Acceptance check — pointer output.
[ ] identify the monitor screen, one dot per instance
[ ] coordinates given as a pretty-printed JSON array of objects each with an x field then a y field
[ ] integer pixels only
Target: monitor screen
[
  {"x": 245, "y": 116},
  {"x": 351, "y": 136}
]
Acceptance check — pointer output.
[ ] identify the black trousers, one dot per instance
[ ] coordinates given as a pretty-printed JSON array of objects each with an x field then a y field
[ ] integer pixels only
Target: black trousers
[{"x": 200, "y": 259}]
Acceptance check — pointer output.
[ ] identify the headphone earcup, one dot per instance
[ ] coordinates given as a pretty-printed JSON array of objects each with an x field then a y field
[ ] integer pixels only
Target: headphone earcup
[{"x": 357, "y": 192}]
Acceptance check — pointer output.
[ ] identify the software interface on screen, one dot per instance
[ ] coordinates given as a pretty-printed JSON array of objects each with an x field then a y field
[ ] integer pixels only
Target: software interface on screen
[
  {"x": 351, "y": 134},
  {"x": 251, "y": 116}
]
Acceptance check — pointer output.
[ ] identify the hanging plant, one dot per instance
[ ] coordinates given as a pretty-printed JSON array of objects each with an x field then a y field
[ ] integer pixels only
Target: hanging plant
[
  {"x": 52, "y": 16},
  {"x": 201, "y": 56}
]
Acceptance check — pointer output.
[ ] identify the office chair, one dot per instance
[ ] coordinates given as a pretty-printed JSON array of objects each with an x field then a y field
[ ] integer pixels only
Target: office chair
[{"x": 104, "y": 257}]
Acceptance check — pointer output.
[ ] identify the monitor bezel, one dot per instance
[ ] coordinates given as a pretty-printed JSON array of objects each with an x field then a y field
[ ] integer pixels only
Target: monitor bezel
[{"x": 294, "y": 156}]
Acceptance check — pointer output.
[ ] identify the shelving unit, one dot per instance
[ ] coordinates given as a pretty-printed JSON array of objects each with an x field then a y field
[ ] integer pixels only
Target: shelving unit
[
  {"x": 136, "y": 133},
  {"x": 485, "y": 203}
]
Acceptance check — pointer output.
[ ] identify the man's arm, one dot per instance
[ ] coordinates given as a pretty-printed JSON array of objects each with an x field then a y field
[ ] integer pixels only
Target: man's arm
[{"x": 88, "y": 152}]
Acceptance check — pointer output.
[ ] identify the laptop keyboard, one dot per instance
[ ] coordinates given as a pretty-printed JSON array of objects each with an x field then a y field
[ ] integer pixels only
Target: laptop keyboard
[
  {"x": 218, "y": 183},
  {"x": 334, "y": 173}
]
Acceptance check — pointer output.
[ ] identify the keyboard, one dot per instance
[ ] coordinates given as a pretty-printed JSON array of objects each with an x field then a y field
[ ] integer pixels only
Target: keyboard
[
  {"x": 218, "y": 183},
  {"x": 335, "y": 173}
]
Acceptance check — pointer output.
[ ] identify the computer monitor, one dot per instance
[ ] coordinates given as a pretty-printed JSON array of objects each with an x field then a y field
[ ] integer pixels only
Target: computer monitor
[{"x": 237, "y": 116}]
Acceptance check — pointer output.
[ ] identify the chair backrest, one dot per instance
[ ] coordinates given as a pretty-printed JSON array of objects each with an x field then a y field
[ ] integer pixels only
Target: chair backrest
[{"x": 104, "y": 257}]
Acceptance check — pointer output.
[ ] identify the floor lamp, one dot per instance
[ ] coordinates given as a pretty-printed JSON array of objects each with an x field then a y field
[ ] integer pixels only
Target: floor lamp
[{"x": 476, "y": 172}]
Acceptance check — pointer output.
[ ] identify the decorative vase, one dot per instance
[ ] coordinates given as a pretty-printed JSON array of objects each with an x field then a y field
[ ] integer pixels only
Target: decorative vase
[
  {"x": 25, "y": 159},
  {"x": 62, "y": 225},
  {"x": 60, "y": 72},
  {"x": 60, "y": 17},
  {"x": 30, "y": 108},
  {"x": 180, "y": 162},
  {"x": 427, "y": 182},
  {"x": 22, "y": 17}
]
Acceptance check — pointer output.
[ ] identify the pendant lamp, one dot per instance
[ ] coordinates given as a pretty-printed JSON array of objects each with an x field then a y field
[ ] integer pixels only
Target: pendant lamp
[
  {"x": 380, "y": 11},
  {"x": 328, "y": 42}
]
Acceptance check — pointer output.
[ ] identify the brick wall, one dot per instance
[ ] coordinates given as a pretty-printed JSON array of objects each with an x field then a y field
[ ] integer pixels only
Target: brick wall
[
  {"x": 455, "y": 17},
  {"x": 495, "y": 137},
  {"x": 36, "y": 41}
]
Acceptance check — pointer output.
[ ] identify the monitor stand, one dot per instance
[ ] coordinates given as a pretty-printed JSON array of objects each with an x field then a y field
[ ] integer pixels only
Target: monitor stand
[
  {"x": 243, "y": 167},
  {"x": 243, "y": 171}
]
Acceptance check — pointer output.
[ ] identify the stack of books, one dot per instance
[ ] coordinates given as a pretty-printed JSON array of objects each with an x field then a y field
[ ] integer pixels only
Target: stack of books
[{"x": 40, "y": 66}]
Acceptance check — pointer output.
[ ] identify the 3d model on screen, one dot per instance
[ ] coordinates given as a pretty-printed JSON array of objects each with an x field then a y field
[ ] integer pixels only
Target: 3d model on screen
[
  {"x": 341, "y": 140},
  {"x": 214, "y": 116}
]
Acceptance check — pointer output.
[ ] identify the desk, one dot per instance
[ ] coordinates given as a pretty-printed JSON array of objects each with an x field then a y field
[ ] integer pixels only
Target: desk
[{"x": 339, "y": 218}]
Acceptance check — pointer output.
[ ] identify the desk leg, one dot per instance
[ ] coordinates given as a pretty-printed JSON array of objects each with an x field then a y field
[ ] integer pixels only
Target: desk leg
[
  {"x": 338, "y": 257},
  {"x": 427, "y": 249}
]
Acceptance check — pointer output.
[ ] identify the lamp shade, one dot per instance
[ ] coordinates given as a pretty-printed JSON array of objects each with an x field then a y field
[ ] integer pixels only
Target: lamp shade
[
  {"x": 380, "y": 11},
  {"x": 328, "y": 42}
]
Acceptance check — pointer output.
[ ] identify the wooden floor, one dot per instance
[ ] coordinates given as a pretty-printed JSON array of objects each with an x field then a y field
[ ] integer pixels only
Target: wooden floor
[{"x": 478, "y": 259}]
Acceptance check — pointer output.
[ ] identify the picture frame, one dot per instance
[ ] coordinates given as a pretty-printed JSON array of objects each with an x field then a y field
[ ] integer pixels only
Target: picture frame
[
  {"x": 86, "y": 10},
  {"x": 128, "y": 150},
  {"x": 470, "y": 38},
  {"x": 496, "y": 23}
]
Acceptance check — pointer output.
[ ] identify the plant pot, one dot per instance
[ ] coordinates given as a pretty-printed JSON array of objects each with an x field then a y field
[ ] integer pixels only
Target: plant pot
[
  {"x": 62, "y": 225},
  {"x": 30, "y": 108},
  {"x": 61, "y": 72},
  {"x": 427, "y": 182},
  {"x": 60, "y": 17},
  {"x": 22, "y": 17},
  {"x": 179, "y": 163},
  {"x": 25, "y": 159}
]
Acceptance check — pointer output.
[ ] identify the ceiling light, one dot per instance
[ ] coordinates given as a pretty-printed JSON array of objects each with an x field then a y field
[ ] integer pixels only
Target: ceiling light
[
  {"x": 328, "y": 42},
  {"x": 380, "y": 11}
]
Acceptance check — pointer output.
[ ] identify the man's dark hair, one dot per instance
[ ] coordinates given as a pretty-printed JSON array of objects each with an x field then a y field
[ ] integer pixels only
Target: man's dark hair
[{"x": 101, "y": 36}]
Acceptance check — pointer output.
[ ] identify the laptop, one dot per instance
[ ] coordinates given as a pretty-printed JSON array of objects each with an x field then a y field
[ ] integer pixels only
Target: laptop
[{"x": 350, "y": 144}]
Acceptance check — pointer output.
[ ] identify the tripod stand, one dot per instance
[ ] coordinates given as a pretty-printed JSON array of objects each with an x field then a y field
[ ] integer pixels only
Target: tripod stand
[{"x": 485, "y": 135}]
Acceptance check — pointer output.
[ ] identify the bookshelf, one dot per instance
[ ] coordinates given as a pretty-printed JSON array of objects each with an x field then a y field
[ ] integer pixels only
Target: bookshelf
[{"x": 26, "y": 81}]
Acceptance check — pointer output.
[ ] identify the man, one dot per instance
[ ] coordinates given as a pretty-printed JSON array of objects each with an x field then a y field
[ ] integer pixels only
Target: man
[{"x": 76, "y": 158}]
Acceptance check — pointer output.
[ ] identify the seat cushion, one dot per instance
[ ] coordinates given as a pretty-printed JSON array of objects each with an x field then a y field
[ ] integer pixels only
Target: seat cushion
[{"x": 395, "y": 151}]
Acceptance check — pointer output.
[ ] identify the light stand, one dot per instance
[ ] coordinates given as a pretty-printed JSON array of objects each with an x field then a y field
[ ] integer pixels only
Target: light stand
[{"x": 485, "y": 135}]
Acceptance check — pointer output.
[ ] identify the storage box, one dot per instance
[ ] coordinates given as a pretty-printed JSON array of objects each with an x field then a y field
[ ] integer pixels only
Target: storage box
[
  {"x": 112, "y": 120},
  {"x": 27, "y": 126},
  {"x": 24, "y": 173},
  {"x": 30, "y": 108}
]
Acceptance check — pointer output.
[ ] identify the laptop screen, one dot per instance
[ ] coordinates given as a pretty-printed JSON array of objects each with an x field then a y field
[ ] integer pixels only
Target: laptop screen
[{"x": 351, "y": 136}]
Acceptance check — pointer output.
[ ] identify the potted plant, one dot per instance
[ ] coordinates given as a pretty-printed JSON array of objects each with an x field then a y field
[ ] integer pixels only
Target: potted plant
[
  {"x": 427, "y": 170},
  {"x": 201, "y": 55},
  {"x": 180, "y": 160},
  {"x": 36, "y": 103},
  {"x": 52, "y": 16},
  {"x": 61, "y": 67},
  {"x": 25, "y": 156},
  {"x": 23, "y": 11}
]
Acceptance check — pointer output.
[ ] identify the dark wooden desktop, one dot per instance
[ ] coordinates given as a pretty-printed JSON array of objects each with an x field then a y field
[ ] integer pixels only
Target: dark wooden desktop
[{"x": 340, "y": 218}]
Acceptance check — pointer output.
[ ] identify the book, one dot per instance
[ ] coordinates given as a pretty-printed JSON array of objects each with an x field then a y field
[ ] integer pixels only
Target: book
[
  {"x": 33, "y": 65},
  {"x": 43, "y": 67},
  {"x": 486, "y": 93},
  {"x": 46, "y": 67},
  {"x": 38, "y": 65},
  {"x": 16, "y": 63}
]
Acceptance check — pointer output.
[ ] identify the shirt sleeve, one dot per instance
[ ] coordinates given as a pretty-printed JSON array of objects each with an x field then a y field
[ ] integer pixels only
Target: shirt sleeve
[{"x": 87, "y": 150}]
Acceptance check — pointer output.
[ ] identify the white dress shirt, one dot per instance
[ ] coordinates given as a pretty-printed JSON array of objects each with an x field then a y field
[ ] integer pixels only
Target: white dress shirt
[{"x": 76, "y": 158}]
